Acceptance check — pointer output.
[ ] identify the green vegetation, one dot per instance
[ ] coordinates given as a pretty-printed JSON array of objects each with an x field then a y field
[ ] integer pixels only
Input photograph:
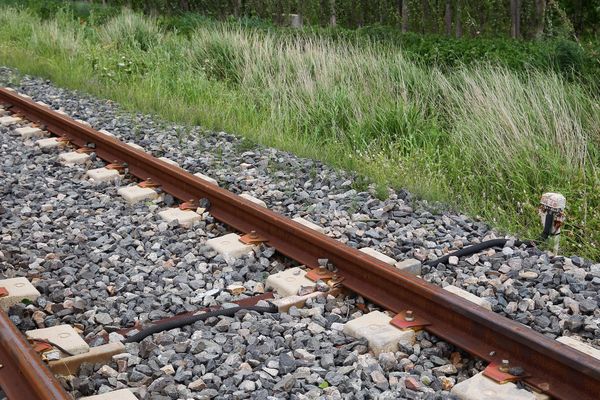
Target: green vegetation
[{"x": 488, "y": 138}]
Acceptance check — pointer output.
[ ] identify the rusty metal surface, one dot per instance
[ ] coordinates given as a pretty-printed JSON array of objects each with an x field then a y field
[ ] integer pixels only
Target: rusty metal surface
[
  {"x": 494, "y": 372},
  {"x": 415, "y": 322},
  {"x": 23, "y": 376},
  {"x": 555, "y": 368}
]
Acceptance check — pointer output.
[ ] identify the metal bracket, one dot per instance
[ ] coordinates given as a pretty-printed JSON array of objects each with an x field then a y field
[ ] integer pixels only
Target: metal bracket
[
  {"x": 335, "y": 282},
  {"x": 40, "y": 346},
  {"x": 189, "y": 205},
  {"x": 407, "y": 320},
  {"x": 499, "y": 373},
  {"x": 3, "y": 291},
  {"x": 253, "y": 238},
  {"x": 320, "y": 273},
  {"x": 116, "y": 166},
  {"x": 84, "y": 150},
  {"x": 148, "y": 183}
]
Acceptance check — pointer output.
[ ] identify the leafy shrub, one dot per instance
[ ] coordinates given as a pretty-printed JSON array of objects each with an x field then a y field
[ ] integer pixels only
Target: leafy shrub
[
  {"x": 217, "y": 59},
  {"x": 130, "y": 30},
  {"x": 568, "y": 58}
]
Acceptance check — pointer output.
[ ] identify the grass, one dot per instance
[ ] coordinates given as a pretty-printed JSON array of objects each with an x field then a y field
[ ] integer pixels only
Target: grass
[{"x": 482, "y": 138}]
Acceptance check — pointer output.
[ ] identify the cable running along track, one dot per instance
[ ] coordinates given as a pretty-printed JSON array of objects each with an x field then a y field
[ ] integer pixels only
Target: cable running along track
[{"x": 550, "y": 367}]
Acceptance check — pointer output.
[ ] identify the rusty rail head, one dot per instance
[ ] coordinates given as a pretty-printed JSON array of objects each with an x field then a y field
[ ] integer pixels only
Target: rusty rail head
[
  {"x": 23, "y": 376},
  {"x": 554, "y": 368}
]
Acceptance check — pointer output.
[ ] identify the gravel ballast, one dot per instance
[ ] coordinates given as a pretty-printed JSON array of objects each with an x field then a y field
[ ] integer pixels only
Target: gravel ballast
[{"x": 102, "y": 264}]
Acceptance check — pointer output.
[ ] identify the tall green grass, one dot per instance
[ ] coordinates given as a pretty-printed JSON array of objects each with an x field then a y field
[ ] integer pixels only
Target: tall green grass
[{"x": 481, "y": 138}]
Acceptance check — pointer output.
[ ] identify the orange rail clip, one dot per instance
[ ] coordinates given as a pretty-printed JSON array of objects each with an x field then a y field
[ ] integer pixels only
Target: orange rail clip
[
  {"x": 497, "y": 372},
  {"x": 115, "y": 166},
  {"x": 320, "y": 273},
  {"x": 407, "y": 320},
  {"x": 189, "y": 205},
  {"x": 148, "y": 183},
  {"x": 252, "y": 238}
]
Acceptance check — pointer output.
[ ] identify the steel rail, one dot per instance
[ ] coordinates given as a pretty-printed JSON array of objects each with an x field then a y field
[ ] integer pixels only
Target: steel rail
[
  {"x": 551, "y": 367},
  {"x": 23, "y": 375}
]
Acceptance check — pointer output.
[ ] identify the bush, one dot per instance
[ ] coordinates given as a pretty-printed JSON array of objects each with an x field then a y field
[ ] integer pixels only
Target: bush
[
  {"x": 568, "y": 58},
  {"x": 217, "y": 59}
]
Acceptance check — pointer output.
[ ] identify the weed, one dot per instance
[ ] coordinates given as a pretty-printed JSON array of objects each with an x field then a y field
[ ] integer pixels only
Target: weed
[
  {"x": 246, "y": 144},
  {"x": 360, "y": 183}
]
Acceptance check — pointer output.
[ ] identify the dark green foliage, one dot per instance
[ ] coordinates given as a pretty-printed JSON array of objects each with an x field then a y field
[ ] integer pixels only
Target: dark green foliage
[
  {"x": 568, "y": 57},
  {"x": 219, "y": 61},
  {"x": 572, "y": 60},
  {"x": 81, "y": 10}
]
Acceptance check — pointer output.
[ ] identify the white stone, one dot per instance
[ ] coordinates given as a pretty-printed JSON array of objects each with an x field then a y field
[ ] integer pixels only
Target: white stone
[
  {"x": 134, "y": 194},
  {"x": 378, "y": 255},
  {"x": 410, "y": 265},
  {"x": 62, "y": 335},
  {"x": 18, "y": 289},
  {"x": 452, "y": 260},
  {"x": 198, "y": 384},
  {"x": 230, "y": 246},
  {"x": 135, "y": 146},
  {"x": 253, "y": 199},
  {"x": 469, "y": 296},
  {"x": 579, "y": 345},
  {"x": 208, "y": 179},
  {"x": 24, "y": 95},
  {"x": 382, "y": 337},
  {"x": 184, "y": 217},
  {"x": 108, "y": 372},
  {"x": 28, "y": 132},
  {"x": 285, "y": 303},
  {"x": 480, "y": 387},
  {"x": 168, "y": 369},
  {"x": 73, "y": 157},
  {"x": 48, "y": 143},
  {"x": 236, "y": 289},
  {"x": 8, "y": 120},
  {"x": 169, "y": 161},
  {"x": 61, "y": 112},
  {"x": 309, "y": 224},
  {"x": 41, "y": 103},
  {"x": 122, "y": 394},
  {"x": 105, "y": 132},
  {"x": 83, "y": 122},
  {"x": 102, "y": 174},
  {"x": 289, "y": 281}
]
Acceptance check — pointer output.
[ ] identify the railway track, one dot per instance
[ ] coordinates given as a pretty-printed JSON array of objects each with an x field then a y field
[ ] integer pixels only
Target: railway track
[{"x": 546, "y": 365}]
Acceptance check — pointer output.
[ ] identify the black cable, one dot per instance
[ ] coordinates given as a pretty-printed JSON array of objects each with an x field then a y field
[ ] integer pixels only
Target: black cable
[
  {"x": 476, "y": 248},
  {"x": 177, "y": 323},
  {"x": 548, "y": 224}
]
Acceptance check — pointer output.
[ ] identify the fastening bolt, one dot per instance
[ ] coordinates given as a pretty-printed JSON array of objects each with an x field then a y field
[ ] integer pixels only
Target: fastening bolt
[
  {"x": 504, "y": 366},
  {"x": 408, "y": 316}
]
